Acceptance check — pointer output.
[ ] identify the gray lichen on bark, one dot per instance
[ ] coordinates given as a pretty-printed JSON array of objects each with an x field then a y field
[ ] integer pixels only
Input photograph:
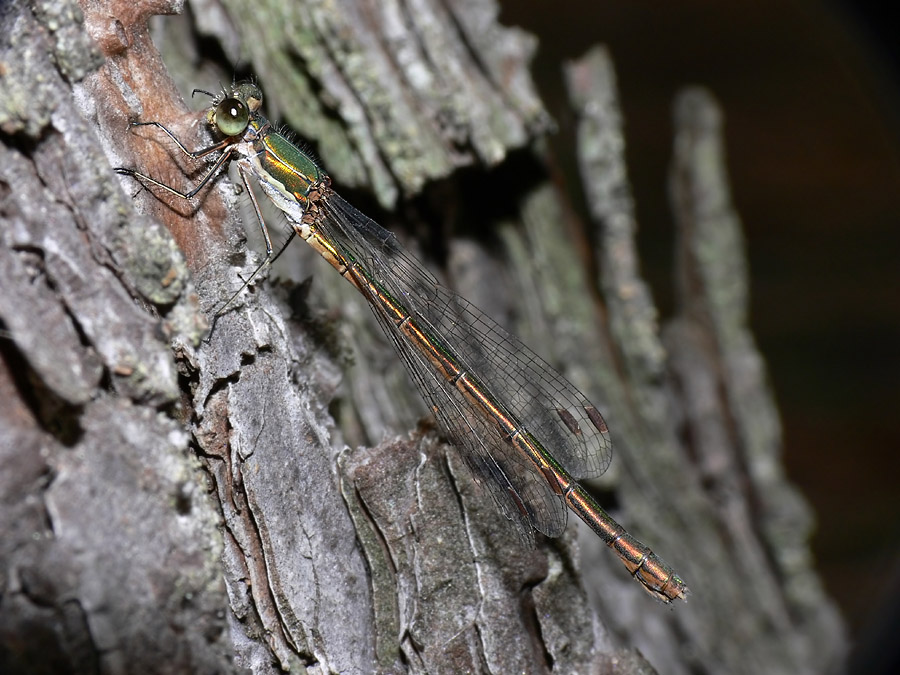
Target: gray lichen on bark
[{"x": 177, "y": 505}]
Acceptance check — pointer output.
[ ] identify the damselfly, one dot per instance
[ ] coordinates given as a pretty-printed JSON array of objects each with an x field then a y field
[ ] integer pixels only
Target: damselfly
[{"x": 518, "y": 423}]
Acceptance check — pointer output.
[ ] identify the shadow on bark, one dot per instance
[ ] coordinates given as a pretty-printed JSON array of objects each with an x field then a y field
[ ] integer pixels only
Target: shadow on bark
[{"x": 175, "y": 505}]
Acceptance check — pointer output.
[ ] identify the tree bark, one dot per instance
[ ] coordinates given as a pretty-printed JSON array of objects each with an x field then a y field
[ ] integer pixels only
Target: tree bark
[{"x": 178, "y": 505}]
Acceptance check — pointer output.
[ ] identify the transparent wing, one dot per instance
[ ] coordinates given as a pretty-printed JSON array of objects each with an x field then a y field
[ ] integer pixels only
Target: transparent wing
[
  {"x": 528, "y": 386},
  {"x": 530, "y": 392}
]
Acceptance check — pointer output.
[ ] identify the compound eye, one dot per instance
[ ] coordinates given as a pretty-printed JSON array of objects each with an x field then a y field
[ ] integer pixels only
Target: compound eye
[{"x": 232, "y": 116}]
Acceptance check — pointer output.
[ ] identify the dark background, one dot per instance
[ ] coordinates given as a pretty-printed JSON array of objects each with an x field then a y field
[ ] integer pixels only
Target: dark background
[{"x": 810, "y": 95}]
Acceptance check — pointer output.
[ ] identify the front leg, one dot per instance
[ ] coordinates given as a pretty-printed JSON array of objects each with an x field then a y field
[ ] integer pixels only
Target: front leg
[
  {"x": 227, "y": 145},
  {"x": 220, "y": 162}
]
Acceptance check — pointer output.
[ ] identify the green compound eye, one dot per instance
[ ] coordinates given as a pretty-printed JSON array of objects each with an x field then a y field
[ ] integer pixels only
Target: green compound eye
[{"x": 232, "y": 116}]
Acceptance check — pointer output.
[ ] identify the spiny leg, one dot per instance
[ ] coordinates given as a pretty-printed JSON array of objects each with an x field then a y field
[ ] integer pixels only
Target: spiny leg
[
  {"x": 259, "y": 218},
  {"x": 226, "y": 144},
  {"x": 193, "y": 154},
  {"x": 143, "y": 178},
  {"x": 271, "y": 255}
]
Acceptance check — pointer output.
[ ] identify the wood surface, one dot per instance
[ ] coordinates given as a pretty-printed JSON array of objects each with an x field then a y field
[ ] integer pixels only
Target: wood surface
[{"x": 276, "y": 498}]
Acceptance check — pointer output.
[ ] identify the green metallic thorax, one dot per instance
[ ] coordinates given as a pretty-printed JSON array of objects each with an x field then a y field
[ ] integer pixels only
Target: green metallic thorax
[{"x": 283, "y": 161}]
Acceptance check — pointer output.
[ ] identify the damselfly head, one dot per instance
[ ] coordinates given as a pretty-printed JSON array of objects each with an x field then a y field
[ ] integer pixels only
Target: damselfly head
[{"x": 231, "y": 114}]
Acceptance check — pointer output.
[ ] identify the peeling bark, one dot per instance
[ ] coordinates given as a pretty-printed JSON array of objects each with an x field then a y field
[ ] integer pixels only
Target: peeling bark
[{"x": 178, "y": 505}]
